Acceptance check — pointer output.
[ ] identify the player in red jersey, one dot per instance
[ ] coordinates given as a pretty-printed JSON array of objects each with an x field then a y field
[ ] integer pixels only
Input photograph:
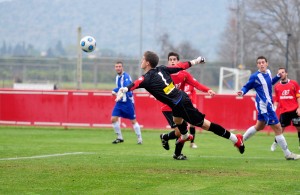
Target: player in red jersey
[
  {"x": 158, "y": 82},
  {"x": 287, "y": 100},
  {"x": 183, "y": 80}
]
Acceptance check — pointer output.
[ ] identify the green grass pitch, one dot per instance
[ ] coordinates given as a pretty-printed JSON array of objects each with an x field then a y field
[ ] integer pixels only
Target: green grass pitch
[{"x": 44, "y": 160}]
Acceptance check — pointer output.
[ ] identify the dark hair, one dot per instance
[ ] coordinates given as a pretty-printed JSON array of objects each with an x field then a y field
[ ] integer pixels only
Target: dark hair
[
  {"x": 173, "y": 54},
  {"x": 119, "y": 62},
  {"x": 282, "y": 69},
  {"x": 152, "y": 58},
  {"x": 262, "y": 58}
]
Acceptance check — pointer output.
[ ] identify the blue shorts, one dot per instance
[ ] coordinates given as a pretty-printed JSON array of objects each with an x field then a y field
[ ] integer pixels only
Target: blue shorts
[
  {"x": 269, "y": 117},
  {"x": 124, "y": 110}
]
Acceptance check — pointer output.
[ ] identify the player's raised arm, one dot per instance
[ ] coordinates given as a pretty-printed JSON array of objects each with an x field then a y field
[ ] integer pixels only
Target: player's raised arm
[
  {"x": 199, "y": 60},
  {"x": 185, "y": 65}
]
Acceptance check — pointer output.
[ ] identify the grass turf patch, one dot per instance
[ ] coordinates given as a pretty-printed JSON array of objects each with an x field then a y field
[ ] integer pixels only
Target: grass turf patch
[{"x": 40, "y": 160}]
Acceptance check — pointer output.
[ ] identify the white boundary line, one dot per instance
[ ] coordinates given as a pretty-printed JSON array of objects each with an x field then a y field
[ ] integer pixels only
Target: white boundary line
[
  {"x": 86, "y": 153},
  {"x": 46, "y": 156},
  {"x": 76, "y": 124}
]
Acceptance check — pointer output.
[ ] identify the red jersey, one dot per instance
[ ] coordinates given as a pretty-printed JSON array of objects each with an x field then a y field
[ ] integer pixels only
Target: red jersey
[
  {"x": 190, "y": 90},
  {"x": 286, "y": 95},
  {"x": 180, "y": 80}
]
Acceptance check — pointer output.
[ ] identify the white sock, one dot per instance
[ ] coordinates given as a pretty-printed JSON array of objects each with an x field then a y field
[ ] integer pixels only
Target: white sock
[
  {"x": 282, "y": 142},
  {"x": 249, "y": 133},
  {"x": 117, "y": 129},
  {"x": 185, "y": 136},
  {"x": 137, "y": 130},
  {"x": 233, "y": 138}
]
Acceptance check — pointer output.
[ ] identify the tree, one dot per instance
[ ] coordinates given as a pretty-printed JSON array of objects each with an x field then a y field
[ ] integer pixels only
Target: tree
[
  {"x": 184, "y": 49},
  {"x": 31, "y": 51},
  {"x": 59, "y": 49},
  {"x": 264, "y": 26},
  {"x": 50, "y": 53},
  {"x": 3, "y": 50},
  {"x": 19, "y": 50},
  {"x": 273, "y": 21}
]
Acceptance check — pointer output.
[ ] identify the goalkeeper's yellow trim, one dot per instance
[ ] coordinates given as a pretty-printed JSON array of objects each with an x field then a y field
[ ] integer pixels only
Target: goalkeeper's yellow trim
[{"x": 168, "y": 89}]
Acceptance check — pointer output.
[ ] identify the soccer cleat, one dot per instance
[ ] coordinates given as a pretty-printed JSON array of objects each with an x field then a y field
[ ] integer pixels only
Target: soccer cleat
[
  {"x": 116, "y": 141},
  {"x": 180, "y": 157},
  {"x": 164, "y": 143},
  {"x": 180, "y": 140},
  {"x": 193, "y": 145},
  {"x": 140, "y": 141},
  {"x": 292, "y": 156},
  {"x": 273, "y": 146},
  {"x": 240, "y": 144}
]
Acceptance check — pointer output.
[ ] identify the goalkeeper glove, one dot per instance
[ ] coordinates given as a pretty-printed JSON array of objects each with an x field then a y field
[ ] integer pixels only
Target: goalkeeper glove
[
  {"x": 120, "y": 93},
  {"x": 199, "y": 60}
]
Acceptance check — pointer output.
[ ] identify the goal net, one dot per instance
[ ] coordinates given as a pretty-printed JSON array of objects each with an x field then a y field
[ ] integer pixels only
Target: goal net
[{"x": 232, "y": 80}]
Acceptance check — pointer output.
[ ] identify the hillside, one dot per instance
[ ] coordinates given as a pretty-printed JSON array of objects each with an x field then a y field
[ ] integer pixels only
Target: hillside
[{"x": 114, "y": 23}]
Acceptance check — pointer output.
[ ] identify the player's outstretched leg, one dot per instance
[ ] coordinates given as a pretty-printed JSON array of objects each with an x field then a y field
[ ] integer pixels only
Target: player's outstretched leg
[
  {"x": 236, "y": 139},
  {"x": 240, "y": 144}
]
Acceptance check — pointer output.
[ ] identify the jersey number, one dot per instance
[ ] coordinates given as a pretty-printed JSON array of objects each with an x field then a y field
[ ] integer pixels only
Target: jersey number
[{"x": 169, "y": 87}]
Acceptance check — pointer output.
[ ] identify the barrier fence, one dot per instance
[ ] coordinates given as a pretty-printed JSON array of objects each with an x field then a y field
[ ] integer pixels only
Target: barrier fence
[{"x": 79, "y": 108}]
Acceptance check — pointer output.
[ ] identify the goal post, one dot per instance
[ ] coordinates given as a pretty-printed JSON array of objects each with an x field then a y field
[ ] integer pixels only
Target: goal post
[{"x": 232, "y": 79}]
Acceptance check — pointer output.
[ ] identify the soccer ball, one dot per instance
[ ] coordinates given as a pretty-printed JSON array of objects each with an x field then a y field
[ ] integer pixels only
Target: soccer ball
[{"x": 88, "y": 44}]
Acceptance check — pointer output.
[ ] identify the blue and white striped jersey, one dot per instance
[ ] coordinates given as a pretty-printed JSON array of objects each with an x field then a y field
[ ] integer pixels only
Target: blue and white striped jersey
[
  {"x": 262, "y": 84},
  {"x": 124, "y": 80}
]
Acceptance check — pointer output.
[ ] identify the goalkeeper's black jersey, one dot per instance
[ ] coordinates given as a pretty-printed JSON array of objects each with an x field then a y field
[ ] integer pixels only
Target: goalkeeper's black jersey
[{"x": 158, "y": 82}]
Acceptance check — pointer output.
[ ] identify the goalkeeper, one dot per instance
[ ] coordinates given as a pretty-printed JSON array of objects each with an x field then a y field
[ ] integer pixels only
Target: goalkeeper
[{"x": 157, "y": 81}]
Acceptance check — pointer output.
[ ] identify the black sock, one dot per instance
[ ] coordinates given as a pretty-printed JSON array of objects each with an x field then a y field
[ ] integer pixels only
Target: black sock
[
  {"x": 169, "y": 136},
  {"x": 299, "y": 137},
  {"x": 183, "y": 128},
  {"x": 172, "y": 135},
  {"x": 219, "y": 130},
  {"x": 193, "y": 132},
  {"x": 178, "y": 148}
]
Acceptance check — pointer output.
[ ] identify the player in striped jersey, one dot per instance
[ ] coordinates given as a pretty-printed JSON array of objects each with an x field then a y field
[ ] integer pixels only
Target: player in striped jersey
[
  {"x": 262, "y": 82},
  {"x": 287, "y": 100},
  {"x": 125, "y": 107}
]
